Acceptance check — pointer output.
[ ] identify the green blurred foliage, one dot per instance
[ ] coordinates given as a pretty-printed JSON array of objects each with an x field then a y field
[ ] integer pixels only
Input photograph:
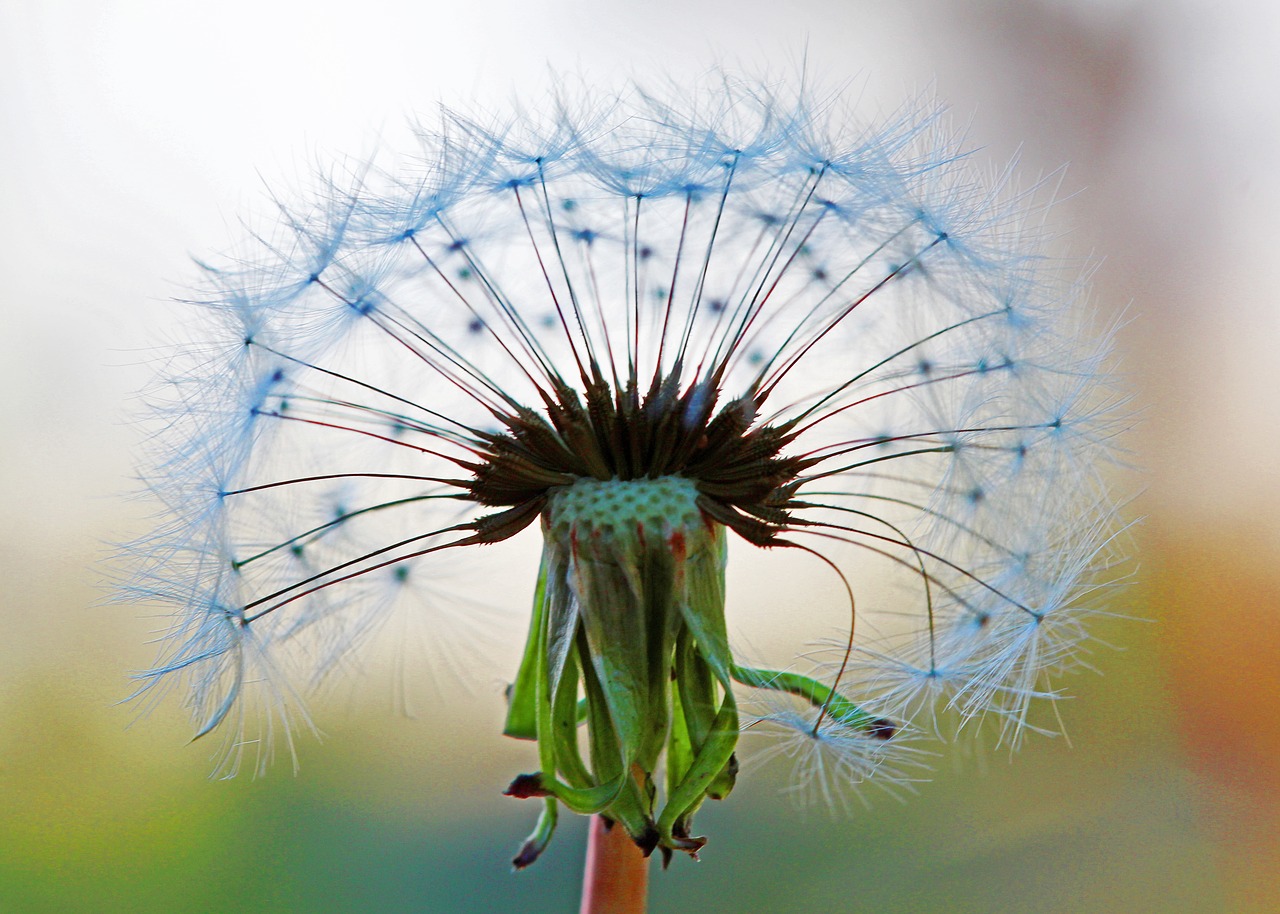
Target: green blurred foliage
[{"x": 391, "y": 814}]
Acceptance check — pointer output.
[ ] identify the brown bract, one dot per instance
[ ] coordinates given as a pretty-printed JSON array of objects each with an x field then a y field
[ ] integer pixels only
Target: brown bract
[{"x": 743, "y": 479}]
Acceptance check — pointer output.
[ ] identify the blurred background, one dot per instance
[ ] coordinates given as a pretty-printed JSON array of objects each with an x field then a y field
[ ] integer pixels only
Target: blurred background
[{"x": 135, "y": 133}]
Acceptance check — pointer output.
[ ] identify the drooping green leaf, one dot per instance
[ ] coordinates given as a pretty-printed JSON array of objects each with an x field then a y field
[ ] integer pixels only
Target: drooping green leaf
[{"x": 816, "y": 693}]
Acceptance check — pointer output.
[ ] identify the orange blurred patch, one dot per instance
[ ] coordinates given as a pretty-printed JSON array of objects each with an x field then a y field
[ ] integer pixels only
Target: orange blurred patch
[{"x": 1216, "y": 597}]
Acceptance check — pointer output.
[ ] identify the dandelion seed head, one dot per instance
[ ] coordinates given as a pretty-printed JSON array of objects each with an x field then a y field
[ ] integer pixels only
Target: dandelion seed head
[{"x": 645, "y": 325}]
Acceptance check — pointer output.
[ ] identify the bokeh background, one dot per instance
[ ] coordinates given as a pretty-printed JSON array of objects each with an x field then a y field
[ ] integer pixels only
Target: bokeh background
[{"x": 134, "y": 133}]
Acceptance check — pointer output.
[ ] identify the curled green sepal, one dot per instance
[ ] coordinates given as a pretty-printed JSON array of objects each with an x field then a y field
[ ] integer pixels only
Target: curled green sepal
[
  {"x": 705, "y": 715},
  {"x": 833, "y": 704},
  {"x": 712, "y": 759},
  {"x": 608, "y": 761},
  {"x": 522, "y": 694},
  {"x": 695, "y": 703},
  {"x": 540, "y": 837},
  {"x": 585, "y": 801}
]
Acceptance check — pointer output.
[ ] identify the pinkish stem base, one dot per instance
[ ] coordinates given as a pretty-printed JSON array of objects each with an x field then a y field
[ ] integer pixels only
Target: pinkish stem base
[{"x": 616, "y": 876}]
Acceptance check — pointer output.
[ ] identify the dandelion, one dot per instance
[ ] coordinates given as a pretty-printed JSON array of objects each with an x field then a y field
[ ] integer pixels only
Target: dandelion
[{"x": 648, "y": 329}]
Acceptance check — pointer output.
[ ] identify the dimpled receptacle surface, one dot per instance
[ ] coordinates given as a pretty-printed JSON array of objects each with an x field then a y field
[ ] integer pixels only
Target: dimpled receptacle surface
[{"x": 616, "y": 507}]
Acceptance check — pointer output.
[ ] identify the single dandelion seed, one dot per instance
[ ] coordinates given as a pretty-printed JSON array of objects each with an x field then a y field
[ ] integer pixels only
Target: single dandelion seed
[{"x": 647, "y": 329}]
